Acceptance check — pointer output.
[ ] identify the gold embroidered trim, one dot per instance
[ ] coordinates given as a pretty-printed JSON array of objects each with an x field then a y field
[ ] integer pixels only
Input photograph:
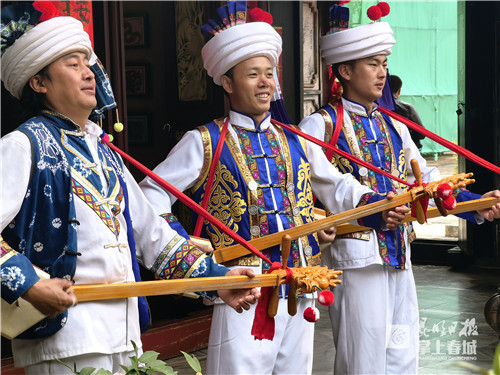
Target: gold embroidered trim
[{"x": 207, "y": 157}]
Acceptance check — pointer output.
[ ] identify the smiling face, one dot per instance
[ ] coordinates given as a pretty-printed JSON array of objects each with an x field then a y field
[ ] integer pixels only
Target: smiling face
[
  {"x": 69, "y": 87},
  {"x": 251, "y": 87},
  {"x": 365, "y": 79}
]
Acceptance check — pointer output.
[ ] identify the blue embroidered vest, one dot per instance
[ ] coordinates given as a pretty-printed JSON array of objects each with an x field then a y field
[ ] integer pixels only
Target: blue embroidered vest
[
  {"x": 383, "y": 147},
  {"x": 45, "y": 228},
  {"x": 243, "y": 195}
]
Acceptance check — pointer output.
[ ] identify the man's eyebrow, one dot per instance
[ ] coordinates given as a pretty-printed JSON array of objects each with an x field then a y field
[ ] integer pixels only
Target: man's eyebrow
[
  {"x": 377, "y": 59},
  {"x": 74, "y": 55},
  {"x": 257, "y": 68}
]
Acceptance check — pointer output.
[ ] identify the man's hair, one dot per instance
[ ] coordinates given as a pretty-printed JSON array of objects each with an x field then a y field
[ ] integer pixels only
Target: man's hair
[
  {"x": 396, "y": 83},
  {"x": 33, "y": 102},
  {"x": 335, "y": 69}
]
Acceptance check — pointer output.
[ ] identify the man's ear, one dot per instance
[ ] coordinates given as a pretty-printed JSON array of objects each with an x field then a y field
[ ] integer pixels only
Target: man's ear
[
  {"x": 227, "y": 84},
  {"x": 37, "y": 84},
  {"x": 345, "y": 71}
]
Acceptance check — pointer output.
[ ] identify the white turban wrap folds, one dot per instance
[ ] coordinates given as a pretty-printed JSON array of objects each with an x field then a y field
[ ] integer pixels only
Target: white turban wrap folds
[
  {"x": 357, "y": 43},
  {"x": 240, "y": 43},
  {"x": 39, "y": 47}
]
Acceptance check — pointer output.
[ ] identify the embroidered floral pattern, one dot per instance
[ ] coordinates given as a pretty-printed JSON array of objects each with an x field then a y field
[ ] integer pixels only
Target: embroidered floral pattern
[
  {"x": 12, "y": 277},
  {"x": 56, "y": 223},
  {"x": 180, "y": 264},
  {"x": 79, "y": 166},
  {"x": 47, "y": 191},
  {"x": 52, "y": 156}
]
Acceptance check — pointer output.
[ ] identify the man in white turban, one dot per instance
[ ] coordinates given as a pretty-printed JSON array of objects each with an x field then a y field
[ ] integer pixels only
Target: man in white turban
[
  {"x": 375, "y": 316},
  {"x": 57, "y": 178},
  {"x": 263, "y": 183}
]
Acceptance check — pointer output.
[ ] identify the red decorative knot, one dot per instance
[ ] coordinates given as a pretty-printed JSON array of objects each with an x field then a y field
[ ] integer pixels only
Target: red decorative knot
[
  {"x": 48, "y": 10},
  {"x": 311, "y": 314},
  {"x": 259, "y": 15},
  {"x": 443, "y": 190},
  {"x": 384, "y": 7},
  {"x": 336, "y": 89},
  {"x": 449, "y": 202},
  {"x": 326, "y": 297},
  {"x": 343, "y": 2},
  {"x": 374, "y": 13}
]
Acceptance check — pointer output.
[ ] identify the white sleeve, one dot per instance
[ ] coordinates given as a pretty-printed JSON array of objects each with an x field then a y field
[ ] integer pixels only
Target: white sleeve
[
  {"x": 338, "y": 192},
  {"x": 314, "y": 125},
  {"x": 15, "y": 170},
  {"x": 181, "y": 168}
]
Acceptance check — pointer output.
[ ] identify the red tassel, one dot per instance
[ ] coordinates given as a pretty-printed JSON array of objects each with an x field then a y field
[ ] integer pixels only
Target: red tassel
[
  {"x": 336, "y": 89},
  {"x": 424, "y": 202},
  {"x": 263, "y": 324}
]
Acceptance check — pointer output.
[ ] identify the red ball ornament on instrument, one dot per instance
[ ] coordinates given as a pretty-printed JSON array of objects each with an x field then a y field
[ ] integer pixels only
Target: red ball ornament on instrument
[
  {"x": 444, "y": 190},
  {"x": 449, "y": 202},
  {"x": 311, "y": 314},
  {"x": 384, "y": 8},
  {"x": 374, "y": 13},
  {"x": 326, "y": 297}
]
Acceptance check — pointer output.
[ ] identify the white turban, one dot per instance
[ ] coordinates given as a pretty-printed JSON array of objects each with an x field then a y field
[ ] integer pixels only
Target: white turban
[
  {"x": 240, "y": 43},
  {"x": 357, "y": 43},
  {"x": 39, "y": 47}
]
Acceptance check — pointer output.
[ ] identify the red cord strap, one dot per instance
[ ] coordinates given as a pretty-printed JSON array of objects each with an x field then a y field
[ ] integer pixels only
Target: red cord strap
[
  {"x": 336, "y": 133},
  {"x": 443, "y": 142},
  {"x": 340, "y": 152},
  {"x": 211, "y": 175},
  {"x": 189, "y": 202}
]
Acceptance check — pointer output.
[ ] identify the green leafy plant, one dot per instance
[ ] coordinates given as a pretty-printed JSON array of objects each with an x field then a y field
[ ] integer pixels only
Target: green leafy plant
[
  {"x": 146, "y": 364},
  {"x": 193, "y": 362},
  {"x": 479, "y": 370}
]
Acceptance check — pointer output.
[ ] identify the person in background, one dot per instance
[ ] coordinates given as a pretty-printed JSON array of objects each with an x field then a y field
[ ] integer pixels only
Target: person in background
[{"x": 406, "y": 109}]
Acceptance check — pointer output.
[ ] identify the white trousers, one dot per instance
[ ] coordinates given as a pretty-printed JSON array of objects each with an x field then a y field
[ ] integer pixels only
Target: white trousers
[
  {"x": 375, "y": 322},
  {"x": 233, "y": 350},
  {"x": 110, "y": 362}
]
